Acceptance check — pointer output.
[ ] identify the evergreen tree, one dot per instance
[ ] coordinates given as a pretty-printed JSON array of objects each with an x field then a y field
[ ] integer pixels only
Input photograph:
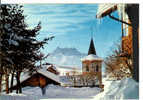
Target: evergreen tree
[{"x": 19, "y": 47}]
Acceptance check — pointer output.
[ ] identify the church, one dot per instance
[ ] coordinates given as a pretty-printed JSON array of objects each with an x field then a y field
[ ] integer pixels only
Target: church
[
  {"x": 91, "y": 75},
  {"x": 92, "y": 64}
]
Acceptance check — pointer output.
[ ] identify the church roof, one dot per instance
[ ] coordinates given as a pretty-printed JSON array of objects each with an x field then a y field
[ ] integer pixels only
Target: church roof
[
  {"x": 91, "y": 48},
  {"x": 91, "y": 57},
  {"x": 91, "y": 53}
]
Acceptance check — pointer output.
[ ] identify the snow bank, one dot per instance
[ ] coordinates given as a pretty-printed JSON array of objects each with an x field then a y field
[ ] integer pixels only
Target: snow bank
[
  {"x": 14, "y": 96},
  {"x": 129, "y": 89},
  {"x": 119, "y": 90}
]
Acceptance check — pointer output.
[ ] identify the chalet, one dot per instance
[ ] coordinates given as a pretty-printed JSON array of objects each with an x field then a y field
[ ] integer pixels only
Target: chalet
[
  {"x": 41, "y": 78},
  {"x": 130, "y": 29}
]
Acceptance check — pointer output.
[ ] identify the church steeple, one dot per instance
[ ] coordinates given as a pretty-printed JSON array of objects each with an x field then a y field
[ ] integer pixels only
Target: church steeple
[{"x": 91, "y": 48}]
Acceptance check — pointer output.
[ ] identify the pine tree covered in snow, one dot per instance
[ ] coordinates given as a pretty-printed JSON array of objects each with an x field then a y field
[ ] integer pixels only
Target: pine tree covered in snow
[{"x": 20, "y": 50}]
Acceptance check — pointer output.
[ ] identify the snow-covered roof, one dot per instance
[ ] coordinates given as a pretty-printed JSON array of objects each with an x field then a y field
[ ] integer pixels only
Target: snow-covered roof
[
  {"x": 104, "y": 9},
  {"x": 53, "y": 66},
  {"x": 49, "y": 75},
  {"x": 91, "y": 57},
  {"x": 43, "y": 71}
]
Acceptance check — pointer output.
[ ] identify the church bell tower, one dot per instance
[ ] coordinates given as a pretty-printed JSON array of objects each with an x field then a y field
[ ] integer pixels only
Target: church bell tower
[{"x": 92, "y": 63}]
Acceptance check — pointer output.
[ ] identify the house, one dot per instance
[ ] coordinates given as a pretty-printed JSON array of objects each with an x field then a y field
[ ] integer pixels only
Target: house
[
  {"x": 126, "y": 28},
  {"x": 41, "y": 78},
  {"x": 130, "y": 29},
  {"x": 52, "y": 68}
]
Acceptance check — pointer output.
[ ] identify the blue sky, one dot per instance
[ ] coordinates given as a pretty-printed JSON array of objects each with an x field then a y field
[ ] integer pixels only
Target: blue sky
[{"x": 72, "y": 25}]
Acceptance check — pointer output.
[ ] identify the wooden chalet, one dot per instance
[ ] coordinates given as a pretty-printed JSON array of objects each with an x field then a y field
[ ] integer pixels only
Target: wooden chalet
[{"x": 41, "y": 78}]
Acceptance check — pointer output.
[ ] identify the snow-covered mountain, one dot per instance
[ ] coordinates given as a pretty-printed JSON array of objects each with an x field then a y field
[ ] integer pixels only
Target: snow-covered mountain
[{"x": 66, "y": 56}]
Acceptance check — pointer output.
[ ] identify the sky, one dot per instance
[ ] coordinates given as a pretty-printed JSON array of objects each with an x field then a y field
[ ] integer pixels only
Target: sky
[{"x": 73, "y": 25}]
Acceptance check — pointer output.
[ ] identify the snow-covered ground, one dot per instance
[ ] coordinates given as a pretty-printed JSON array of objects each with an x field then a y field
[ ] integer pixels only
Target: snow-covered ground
[
  {"x": 53, "y": 92},
  {"x": 113, "y": 90}
]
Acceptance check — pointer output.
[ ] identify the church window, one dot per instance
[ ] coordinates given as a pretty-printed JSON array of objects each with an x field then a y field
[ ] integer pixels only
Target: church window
[
  {"x": 92, "y": 65},
  {"x": 87, "y": 69},
  {"x": 97, "y": 68}
]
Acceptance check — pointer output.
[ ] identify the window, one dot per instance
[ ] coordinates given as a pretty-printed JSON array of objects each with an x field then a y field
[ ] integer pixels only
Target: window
[
  {"x": 92, "y": 65},
  {"x": 97, "y": 68},
  {"x": 87, "y": 69}
]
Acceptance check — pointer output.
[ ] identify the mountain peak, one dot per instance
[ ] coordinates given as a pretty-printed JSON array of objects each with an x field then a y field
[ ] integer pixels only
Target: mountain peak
[
  {"x": 66, "y": 51},
  {"x": 66, "y": 56}
]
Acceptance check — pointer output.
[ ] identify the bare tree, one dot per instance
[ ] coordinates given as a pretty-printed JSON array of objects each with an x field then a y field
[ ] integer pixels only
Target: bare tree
[
  {"x": 119, "y": 65},
  {"x": 88, "y": 78}
]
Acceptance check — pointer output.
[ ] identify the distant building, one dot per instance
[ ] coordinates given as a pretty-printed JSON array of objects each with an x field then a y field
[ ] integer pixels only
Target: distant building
[
  {"x": 92, "y": 64},
  {"x": 52, "y": 68}
]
